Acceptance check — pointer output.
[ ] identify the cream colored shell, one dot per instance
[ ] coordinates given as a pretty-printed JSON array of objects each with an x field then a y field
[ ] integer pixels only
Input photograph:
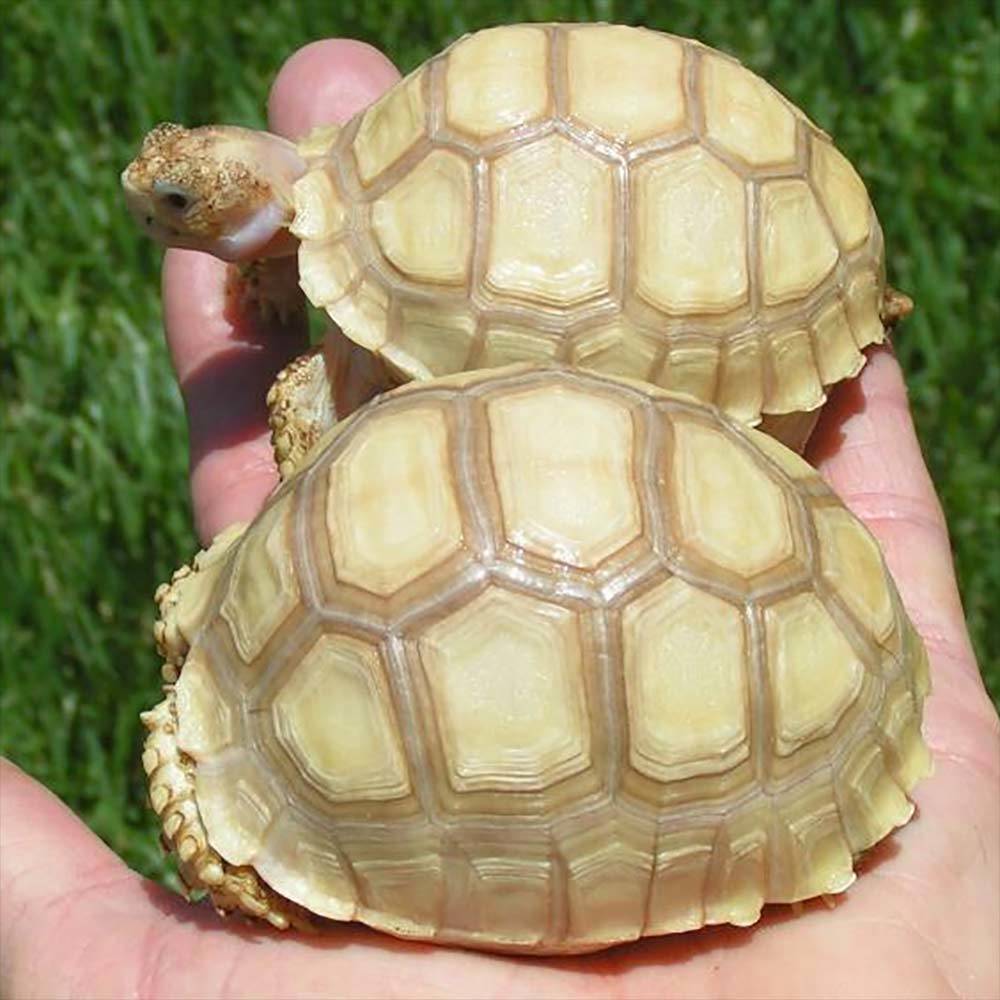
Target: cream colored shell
[
  {"x": 620, "y": 199},
  {"x": 539, "y": 660}
]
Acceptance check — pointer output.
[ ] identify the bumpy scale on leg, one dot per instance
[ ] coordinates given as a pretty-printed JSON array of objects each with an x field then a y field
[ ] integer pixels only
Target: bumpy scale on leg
[
  {"x": 172, "y": 796},
  {"x": 316, "y": 391},
  {"x": 171, "y": 771}
]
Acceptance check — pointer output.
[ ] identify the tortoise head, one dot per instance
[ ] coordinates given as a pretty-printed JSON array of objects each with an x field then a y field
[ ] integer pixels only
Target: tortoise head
[{"x": 221, "y": 189}]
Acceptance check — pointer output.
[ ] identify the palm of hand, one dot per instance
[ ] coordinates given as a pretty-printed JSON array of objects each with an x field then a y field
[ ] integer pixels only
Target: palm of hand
[{"x": 921, "y": 921}]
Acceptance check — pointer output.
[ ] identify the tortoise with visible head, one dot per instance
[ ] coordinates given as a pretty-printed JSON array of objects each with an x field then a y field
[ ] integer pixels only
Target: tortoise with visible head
[
  {"x": 539, "y": 692},
  {"x": 616, "y": 198}
]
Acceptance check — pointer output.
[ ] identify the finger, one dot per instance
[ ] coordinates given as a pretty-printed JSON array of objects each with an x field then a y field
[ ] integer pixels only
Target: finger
[
  {"x": 327, "y": 81},
  {"x": 224, "y": 353},
  {"x": 56, "y": 883},
  {"x": 867, "y": 448}
]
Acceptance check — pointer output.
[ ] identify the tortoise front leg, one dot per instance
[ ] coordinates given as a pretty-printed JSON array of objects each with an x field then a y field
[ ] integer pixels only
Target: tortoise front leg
[{"x": 315, "y": 391}]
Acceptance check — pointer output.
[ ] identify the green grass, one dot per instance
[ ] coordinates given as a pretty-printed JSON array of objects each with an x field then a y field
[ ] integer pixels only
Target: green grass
[{"x": 93, "y": 493}]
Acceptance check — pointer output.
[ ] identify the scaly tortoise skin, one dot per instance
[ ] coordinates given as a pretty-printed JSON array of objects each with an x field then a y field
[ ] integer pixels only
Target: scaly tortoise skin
[
  {"x": 539, "y": 660},
  {"x": 616, "y": 198}
]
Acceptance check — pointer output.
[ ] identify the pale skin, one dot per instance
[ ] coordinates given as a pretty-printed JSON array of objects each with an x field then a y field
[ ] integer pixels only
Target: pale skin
[{"x": 923, "y": 919}]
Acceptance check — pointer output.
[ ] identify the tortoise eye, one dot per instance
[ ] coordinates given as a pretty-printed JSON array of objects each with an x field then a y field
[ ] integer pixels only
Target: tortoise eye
[{"x": 173, "y": 196}]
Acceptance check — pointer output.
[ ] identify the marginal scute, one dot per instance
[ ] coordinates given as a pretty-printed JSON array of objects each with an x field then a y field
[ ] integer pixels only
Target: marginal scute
[
  {"x": 734, "y": 888},
  {"x": 431, "y": 338},
  {"x": 205, "y": 718},
  {"x": 424, "y": 223},
  {"x": 507, "y": 345},
  {"x": 676, "y": 898},
  {"x": 552, "y": 224},
  {"x": 512, "y": 895},
  {"x": 824, "y": 855},
  {"x": 686, "y": 686},
  {"x": 567, "y": 494},
  {"x": 304, "y": 861},
  {"x": 392, "y": 513},
  {"x": 482, "y": 96},
  {"x": 863, "y": 300},
  {"x": 837, "y": 355},
  {"x": 645, "y": 65},
  {"x": 692, "y": 368},
  {"x": 741, "y": 379},
  {"x": 608, "y": 882},
  {"x": 794, "y": 381},
  {"x": 690, "y": 229},
  {"x": 401, "y": 884},
  {"x": 320, "y": 211},
  {"x": 506, "y": 677},
  {"x": 334, "y": 716},
  {"x": 815, "y": 675},
  {"x": 364, "y": 314},
  {"x": 873, "y": 804},
  {"x": 745, "y": 115},
  {"x": 238, "y": 803},
  {"x": 327, "y": 273},
  {"x": 617, "y": 349}
]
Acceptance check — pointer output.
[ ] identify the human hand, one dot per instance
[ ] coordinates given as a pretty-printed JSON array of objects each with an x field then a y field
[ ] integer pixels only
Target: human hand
[{"x": 921, "y": 921}]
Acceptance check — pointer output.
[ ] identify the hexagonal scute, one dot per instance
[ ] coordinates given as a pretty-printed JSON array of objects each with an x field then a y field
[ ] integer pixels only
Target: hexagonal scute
[
  {"x": 643, "y": 64},
  {"x": 392, "y": 511},
  {"x": 334, "y": 717},
  {"x": 744, "y": 114},
  {"x": 390, "y": 127},
  {"x": 505, "y": 674},
  {"x": 728, "y": 510},
  {"x": 797, "y": 247},
  {"x": 263, "y": 589},
  {"x": 568, "y": 494},
  {"x": 482, "y": 95},
  {"x": 552, "y": 225},
  {"x": 815, "y": 675},
  {"x": 690, "y": 224},
  {"x": 687, "y": 690},
  {"x": 424, "y": 224}
]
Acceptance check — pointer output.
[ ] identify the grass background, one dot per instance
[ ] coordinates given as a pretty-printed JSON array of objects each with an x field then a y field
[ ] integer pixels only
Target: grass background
[{"x": 94, "y": 509}]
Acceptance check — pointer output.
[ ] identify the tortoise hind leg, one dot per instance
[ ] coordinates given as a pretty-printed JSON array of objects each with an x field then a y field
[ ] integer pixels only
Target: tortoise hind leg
[
  {"x": 315, "y": 391},
  {"x": 896, "y": 305}
]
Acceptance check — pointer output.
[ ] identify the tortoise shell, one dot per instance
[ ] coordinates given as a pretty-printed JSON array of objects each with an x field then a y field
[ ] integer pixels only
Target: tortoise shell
[
  {"x": 612, "y": 197},
  {"x": 469, "y": 682}
]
